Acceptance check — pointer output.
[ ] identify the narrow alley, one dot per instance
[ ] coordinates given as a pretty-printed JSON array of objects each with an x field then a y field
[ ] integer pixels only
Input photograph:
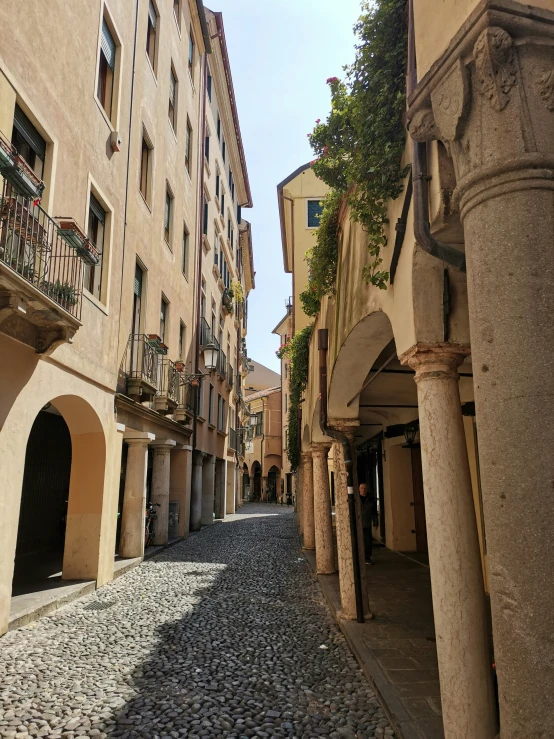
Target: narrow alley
[{"x": 224, "y": 634}]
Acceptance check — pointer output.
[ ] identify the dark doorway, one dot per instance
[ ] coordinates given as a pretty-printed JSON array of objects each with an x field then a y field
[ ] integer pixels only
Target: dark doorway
[
  {"x": 44, "y": 497},
  {"x": 419, "y": 500}
]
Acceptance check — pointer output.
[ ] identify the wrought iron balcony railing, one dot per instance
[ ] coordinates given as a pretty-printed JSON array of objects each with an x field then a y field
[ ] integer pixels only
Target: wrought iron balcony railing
[
  {"x": 221, "y": 364},
  {"x": 206, "y": 335},
  {"x": 140, "y": 369},
  {"x": 33, "y": 246},
  {"x": 167, "y": 397},
  {"x": 230, "y": 376}
]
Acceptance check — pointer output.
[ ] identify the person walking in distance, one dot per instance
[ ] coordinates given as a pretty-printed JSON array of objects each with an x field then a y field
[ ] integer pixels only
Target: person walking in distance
[{"x": 369, "y": 518}]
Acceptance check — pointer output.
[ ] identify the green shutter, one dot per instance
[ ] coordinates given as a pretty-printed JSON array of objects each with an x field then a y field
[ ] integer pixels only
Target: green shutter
[{"x": 26, "y": 129}]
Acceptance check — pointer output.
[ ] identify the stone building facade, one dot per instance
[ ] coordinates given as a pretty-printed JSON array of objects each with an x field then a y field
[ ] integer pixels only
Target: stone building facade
[
  {"x": 105, "y": 176},
  {"x": 459, "y": 460}
]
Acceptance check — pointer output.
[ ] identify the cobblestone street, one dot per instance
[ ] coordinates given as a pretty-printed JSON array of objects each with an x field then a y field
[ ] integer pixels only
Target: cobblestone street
[{"x": 224, "y": 634}]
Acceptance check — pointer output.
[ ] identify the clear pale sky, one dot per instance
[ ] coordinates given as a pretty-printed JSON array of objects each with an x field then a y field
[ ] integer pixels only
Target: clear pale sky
[{"x": 281, "y": 53}]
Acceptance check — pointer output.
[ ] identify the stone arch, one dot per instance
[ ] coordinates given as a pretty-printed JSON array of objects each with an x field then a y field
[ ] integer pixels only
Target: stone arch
[
  {"x": 355, "y": 358},
  {"x": 87, "y": 460}
]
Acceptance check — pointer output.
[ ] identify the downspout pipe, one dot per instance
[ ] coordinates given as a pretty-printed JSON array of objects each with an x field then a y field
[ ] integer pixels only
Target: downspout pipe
[
  {"x": 420, "y": 176},
  {"x": 323, "y": 345}
]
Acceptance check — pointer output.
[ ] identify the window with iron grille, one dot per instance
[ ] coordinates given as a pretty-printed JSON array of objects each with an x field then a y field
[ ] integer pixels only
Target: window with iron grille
[{"x": 315, "y": 209}]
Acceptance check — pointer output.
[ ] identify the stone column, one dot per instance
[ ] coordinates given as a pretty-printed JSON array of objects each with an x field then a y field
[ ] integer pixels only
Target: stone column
[
  {"x": 220, "y": 488},
  {"x": 251, "y": 496},
  {"x": 131, "y": 542},
  {"x": 196, "y": 491},
  {"x": 299, "y": 497},
  {"x": 180, "y": 485},
  {"x": 208, "y": 490},
  {"x": 456, "y": 575},
  {"x": 160, "y": 488},
  {"x": 264, "y": 490},
  {"x": 308, "y": 496},
  {"x": 324, "y": 546},
  {"x": 342, "y": 516},
  {"x": 491, "y": 100}
]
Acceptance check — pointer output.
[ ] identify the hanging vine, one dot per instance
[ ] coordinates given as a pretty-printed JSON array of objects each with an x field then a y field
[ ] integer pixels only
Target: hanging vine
[
  {"x": 297, "y": 350},
  {"x": 359, "y": 147}
]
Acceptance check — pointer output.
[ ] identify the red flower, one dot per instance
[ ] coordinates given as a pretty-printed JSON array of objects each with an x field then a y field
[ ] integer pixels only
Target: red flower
[
  {"x": 331, "y": 80},
  {"x": 318, "y": 120}
]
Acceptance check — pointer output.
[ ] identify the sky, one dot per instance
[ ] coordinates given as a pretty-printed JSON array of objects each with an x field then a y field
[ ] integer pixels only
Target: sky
[{"x": 281, "y": 53}]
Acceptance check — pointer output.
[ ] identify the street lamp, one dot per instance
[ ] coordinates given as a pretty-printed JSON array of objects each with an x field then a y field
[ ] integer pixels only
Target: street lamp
[
  {"x": 210, "y": 357},
  {"x": 253, "y": 419},
  {"x": 410, "y": 433}
]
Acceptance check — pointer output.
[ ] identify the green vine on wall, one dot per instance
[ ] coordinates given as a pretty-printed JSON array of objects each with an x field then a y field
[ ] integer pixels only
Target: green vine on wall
[
  {"x": 359, "y": 147},
  {"x": 297, "y": 350}
]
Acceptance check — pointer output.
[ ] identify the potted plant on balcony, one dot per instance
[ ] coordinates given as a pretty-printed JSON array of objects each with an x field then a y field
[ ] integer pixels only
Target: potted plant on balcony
[
  {"x": 62, "y": 292},
  {"x": 227, "y": 301},
  {"x": 180, "y": 366},
  {"x": 17, "y": 172},
  {"x": 156, "y": 343},
  {"x": 73, "y": 235}
]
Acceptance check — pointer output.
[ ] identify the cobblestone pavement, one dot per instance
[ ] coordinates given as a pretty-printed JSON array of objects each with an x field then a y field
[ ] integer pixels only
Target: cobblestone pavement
[{"x": 223, "y": 635}]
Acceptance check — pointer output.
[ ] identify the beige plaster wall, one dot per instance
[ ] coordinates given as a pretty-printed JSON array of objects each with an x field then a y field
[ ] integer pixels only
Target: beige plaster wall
[
  {"x": 436, "y": 22},
  {"x": 261, "y": 378}
]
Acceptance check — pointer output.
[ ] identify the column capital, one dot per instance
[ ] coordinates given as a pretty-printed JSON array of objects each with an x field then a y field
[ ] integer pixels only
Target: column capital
[
  {"x": 306, "y": 455},
  {"x": 437, "y": 361},
  {"x": 493, "y": 87},
  {"x": 138, "y": 438},
  {"x": 163, "y": 445},
  {"x": 321, "y": 448},
  {"x": 346, "y": 426}
]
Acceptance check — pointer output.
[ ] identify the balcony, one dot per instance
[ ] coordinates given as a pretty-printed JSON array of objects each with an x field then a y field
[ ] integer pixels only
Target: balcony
[
  {"x": 166, "y": 399},
  {"x": 140, "y": 369},
  {"x": 184, "y": 412},
  {"x": 230, "y": 376},
  {"x": 206, "y": 336},
  {"x": 233, "y": 439},
  {"x": 41, "y": 272},
  {"x": 288, "y": 304},
  {"x": 221, "y": 365}
]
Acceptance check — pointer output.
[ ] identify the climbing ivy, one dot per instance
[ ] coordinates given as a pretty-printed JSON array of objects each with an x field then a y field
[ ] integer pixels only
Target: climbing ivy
[
  {"x": 359, "y": 147},
  {"x": 297, "y": 350}
]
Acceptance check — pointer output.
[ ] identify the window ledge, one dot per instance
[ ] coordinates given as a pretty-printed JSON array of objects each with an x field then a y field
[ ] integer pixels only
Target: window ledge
[
  {"x": 206, "y": 244},
  {"x": 222, "y": 219},
  {"x": 172, "y": 129},
  {"x": 221, "y": 433},
  {"x": 104, "y": 114},
  {"x": 217, "y": 203},
  {"x": 201, "y": 419},
  {"x": 216, "y": 272},
  {"x": 207, "y": 165},
  {"x": 211, "y": 426},
  {"x": 151, "y": 67},
  {"x": 95, "y": 301}
]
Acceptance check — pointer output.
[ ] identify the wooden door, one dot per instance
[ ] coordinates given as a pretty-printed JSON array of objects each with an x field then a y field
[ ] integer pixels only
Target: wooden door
[{"x": 419, "y": 501}]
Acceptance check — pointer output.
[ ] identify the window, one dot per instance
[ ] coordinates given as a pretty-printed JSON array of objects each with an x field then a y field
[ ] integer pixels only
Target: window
[
  {"x": 228, "y": 228},
  {"x": 191, "y": 55},
  {"x": 209, "y": 87},
  {"x": 163, "y": 318},
  {"x": 137, "y": 302},
  {"x": 286, "y": 404},
  {"x": 188, "y": 146},
  {"x": 96, "y": 226},
  {"x": 223, "y": 150},
  {"x": 211, "y": 405},
  {"x": 205, "y": 219},
  {"x": 286, "y": 371},
  {"x": 217, "y": 185},
  {"x": 177, "y": 12},
  {"x": 239, "y": 214},
  {"x": 207, "y": 147},
  {"x": 28, "y": 142},
  {"x": 222, "y": 202},
  {"x": 259, "y": 424},
  {"x": 218, "y": 128},
  {"x": 221, "y": 413},
  {"x": 151, "y": 38},
  {"x": 106, "y": 69},
  {"x": 230, "y": 179},
  {"x": 168, "y": 215},
  {"x": 172, "y": 99},
  {"x": 315, "y": 209},
  {"x": 199, "y": 399},
  {"x": 182, "y": 337},
  {"x": 185, "y": 261},
  {"x": 145, "y": 168}
]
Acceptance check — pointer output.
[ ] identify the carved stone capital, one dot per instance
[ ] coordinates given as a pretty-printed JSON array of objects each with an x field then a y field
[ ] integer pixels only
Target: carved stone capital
[
  {"x": 306, "y": 456},
  {"x": 435, "y": 361},
  {"x": 49, "y": 339},
  {"x": 320, "y": 449},
  {"x": 490, "y": 99}
]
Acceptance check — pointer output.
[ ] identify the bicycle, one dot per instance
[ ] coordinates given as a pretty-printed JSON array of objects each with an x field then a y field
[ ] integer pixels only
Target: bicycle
[{"x": 150, "y": 517}]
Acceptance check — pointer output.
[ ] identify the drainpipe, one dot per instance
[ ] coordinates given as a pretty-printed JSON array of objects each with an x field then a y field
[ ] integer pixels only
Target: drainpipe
[
  {"x": 129, "y": 131},
  {"x": 200, "y": 247},
  {"x": 420, "y": 176},
  {"x": 323, "y": 345}
]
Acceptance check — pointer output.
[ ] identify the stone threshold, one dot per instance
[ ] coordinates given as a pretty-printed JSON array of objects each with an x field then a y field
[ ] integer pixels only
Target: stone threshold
[{"x": 398, "y": 662}]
